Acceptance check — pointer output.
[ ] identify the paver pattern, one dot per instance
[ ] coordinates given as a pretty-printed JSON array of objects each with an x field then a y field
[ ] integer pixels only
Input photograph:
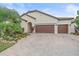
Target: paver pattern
[{"x": 42, "y": 44}]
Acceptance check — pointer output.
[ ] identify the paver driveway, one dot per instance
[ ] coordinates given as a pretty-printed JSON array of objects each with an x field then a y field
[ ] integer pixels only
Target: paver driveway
[{"x": 45, "y": 45}]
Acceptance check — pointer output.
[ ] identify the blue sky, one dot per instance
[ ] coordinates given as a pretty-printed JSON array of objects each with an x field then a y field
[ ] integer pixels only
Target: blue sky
[{"x": 56, "y": 9}]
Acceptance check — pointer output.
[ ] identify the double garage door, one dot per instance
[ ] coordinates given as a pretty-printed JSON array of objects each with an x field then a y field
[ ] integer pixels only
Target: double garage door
[
  {"x": 50, "y": 28},
  {"x": 44, "y": 29}
]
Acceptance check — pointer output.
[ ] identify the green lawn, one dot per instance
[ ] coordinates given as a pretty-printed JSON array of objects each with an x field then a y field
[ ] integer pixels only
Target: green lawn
[{"x": 4, "y": 46}]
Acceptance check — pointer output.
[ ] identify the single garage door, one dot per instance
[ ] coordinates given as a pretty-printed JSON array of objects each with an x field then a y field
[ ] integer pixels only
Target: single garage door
[
  {"x": 44, "y": 29},
  {"x": 63, "y": 28}
]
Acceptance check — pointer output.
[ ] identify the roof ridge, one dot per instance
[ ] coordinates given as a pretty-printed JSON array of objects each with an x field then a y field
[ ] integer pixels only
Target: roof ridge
[
  {"x": 42, "y": 13},
  {"x": 45, "y": 14}
]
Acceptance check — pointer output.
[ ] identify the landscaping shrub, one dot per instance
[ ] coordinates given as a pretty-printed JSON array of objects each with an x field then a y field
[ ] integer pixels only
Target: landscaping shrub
[
  {"x": 77, "y": 23},
  {"x": 10, "y": 25}
]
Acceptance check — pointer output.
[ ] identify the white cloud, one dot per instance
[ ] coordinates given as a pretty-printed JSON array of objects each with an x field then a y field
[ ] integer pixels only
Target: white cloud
[
  {"x": 71, "y": 8},
  {"x": 53, "y": 12},
  {"x": 20, "y": 7},
  {"x": 49, "y": 11}
]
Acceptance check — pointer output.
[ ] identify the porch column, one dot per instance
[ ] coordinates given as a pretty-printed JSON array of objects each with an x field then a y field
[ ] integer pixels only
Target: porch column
[
  {"x": 69, "y": 28},
  {"x": 55, "y": 28},
  {"x": 34, "y": 28}
]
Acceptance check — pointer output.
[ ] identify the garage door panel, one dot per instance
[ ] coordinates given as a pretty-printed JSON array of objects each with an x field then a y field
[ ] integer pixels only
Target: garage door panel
[
  {"x": 44, "y": 28},
  {"x": 63, "y": 28}
]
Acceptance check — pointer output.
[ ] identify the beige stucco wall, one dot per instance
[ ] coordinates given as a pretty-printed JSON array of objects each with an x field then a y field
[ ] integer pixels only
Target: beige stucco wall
[
  {"x": 26, "y": 27},
  {"x": 29, "y": 19},
  {"x": 42, "y": 19},
  {"x": 64, "y": 22},
  {"x": 70, "y": 26}
]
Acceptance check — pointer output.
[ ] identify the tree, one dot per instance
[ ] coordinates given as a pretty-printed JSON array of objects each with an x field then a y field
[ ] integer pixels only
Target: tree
[
  {"x": 9, "y": 15},
  {"x": 10, "y": 23}
]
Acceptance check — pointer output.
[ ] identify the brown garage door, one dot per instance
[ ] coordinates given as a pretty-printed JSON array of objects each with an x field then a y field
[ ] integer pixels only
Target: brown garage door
[
  {"x": 63, "y": 28},
  {"x": 44, "y": 29}
]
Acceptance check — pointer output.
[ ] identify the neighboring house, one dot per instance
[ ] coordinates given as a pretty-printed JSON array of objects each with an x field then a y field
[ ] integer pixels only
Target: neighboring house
[{"x": 45, "y": 23}]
